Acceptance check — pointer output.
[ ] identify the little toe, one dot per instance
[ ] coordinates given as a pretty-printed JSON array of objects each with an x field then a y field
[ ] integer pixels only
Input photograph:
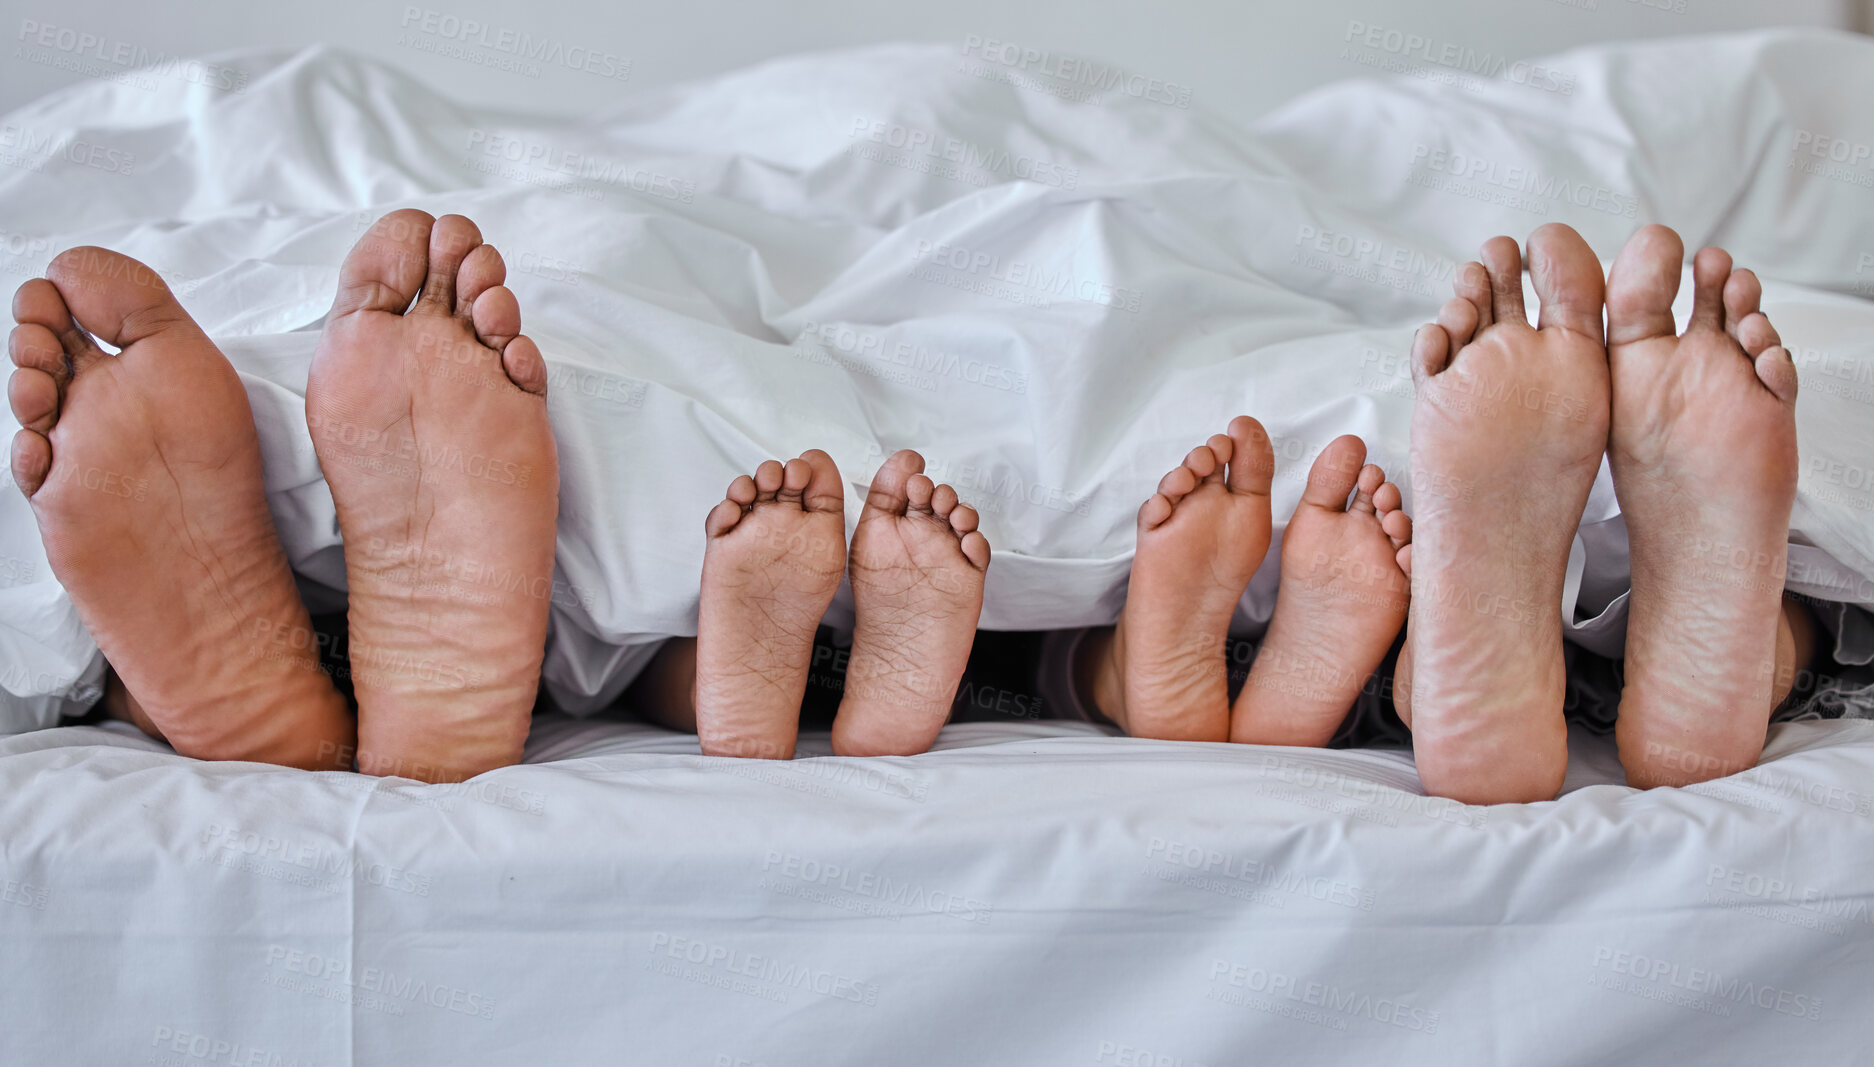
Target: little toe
[
  {"x": 31, "y": 461},
  {"x": 975, "y": 549},
  {"x": 1504, "y": 260},
  {"x": 525, "y": 366},
  {"x": 34, "y": 397},
  {"x": 768, "y": 479},
  {"x": 1431, "y": 352},
  {"x": 1252, "y": 457},
  {"x": 482, "y": 270},
  {"x": 1641, "y": 286},
  {"x": 724, "y": 516},
  {"x": 825, "y": 492},
  {"x": 1777, "y": 372},
  {"x": 1403, "y": 557},
  {"x": 889, "y": 493},
  {"x": 943, "y": 500},
  {"x": 918, "y": 492},
  {"x": 964, "y": 519},
  {"x": 1335, "y": 473},
  {"x": 1459, "y": 319},
  {"x": 450, "y": 241},
  {"x": 385, "y": 269},
  {"x": 1567, "y": 278},
  {"x": 497, "y": 316},
  {"x": 1472, "y": 285},
  {"x": 1711, "y": 269},
  {"x": 1154, "y": 511}
]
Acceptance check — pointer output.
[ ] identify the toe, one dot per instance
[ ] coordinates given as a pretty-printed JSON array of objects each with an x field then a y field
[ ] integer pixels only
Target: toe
[
  {"x": 525, "y": 366},
  {"x": 1201, "y": 461},
  {"x": 482, "y": 270},
  {"x": 450, "y": 241},
  {"x": 888, "y": 494},
  {"x": 1459, "y": 319},
  {"x": 32, "y": 459},
  {"x": 723, "y": 517},
  {"x": 918, "y": 491},
  {"x": 768, "y": 478},
  {"x": 38, "y": 306},
  {"x": 1711, "y": 269},
  {"x": 34, "y": 396},
  {"x": 1754, "y": 334},
  {"x": 497, "y": 316},
  {"x": 115, "y": 298},
  {"x": 976, "y": 549},
  {"x": 742, "y": 491},
  {"x": 1398, "y": 526},
  {"x": 1567, "y": 278},
  {"x": 1641, "y": 286},
  {"x": 1387, "y": 498},
  {"x": 1371, "y": 478},
  {"x": 943, "y": 500},
  {"x": 1403, "y": 557},
  {"x": 1777, "y": 372},
  {"x": 1178, "y": 483},
  {"x": 794, "y": 478},
  {"x": 1335, "y": 473},
  {"x": 1743, "y": 293},
  {"x": 1504, "y": 261},
  {"x": 386, "y": 267},
  {"x": 33, "y": 345},
  {"x": 1252, "y": 457},
  {"x": 1472, "y": 285},
  {"x": 825, "y": 492},
  {"x": 1431, "y": 352},
  {"x": 1154, "y": 511},
  {"x": 964, "y": 519},
  {"x": 1221, "y": 448}
]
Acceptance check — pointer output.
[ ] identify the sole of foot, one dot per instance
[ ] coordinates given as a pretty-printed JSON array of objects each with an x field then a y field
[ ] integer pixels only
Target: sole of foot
[
  {"x": 1508, "y": 429},
  {"x": 917, "y": 567},
  {"x": 1341, "y": 602},
  {"x": 1161, "y": 672},
  {"x": 1703, "y": 449},
  {"x": 143, "y": 469},
  {"x": 776, "y": 552},
  {"x": 428, "y": 412}
]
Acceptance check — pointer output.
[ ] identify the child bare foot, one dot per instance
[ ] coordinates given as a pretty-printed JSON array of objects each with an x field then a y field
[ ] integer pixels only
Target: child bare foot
[
  {"x": 431, "y": 426},
  {"x": 918, "y": 564},
  {"x": 1341, "y": 602},
  {"x": 1508, "y": 431},
  {"x": 143, "y": 470},
  {"x": 1161, "y": 672},
  {"x": 1703, "y": 450},
  {"x": 776, "y": 552}
]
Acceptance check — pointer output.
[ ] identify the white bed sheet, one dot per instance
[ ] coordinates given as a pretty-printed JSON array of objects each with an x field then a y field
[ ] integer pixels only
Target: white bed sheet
[{"x": 747, "y": 267}]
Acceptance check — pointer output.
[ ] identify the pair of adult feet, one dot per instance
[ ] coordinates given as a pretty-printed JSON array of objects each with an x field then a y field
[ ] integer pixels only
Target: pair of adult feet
[
  {"x": 1509, "y": 427},
  {"x": 427, "y": 410},
  {"x": 775, "y": 557}
]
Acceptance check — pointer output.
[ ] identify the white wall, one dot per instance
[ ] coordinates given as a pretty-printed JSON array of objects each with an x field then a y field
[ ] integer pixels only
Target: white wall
[{"x": 1239, "y": 57}]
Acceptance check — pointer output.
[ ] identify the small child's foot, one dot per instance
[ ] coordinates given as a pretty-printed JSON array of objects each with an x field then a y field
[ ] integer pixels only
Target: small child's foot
[
  {"x": 1161, "y": 672},
  {"x": 917, "y": 565},
  {"x": 1703, "y": 448},
  {"x": 1342, "y": 599},
  {"x": 777, "y": 550},
  {"x": 143, "y": 470}
]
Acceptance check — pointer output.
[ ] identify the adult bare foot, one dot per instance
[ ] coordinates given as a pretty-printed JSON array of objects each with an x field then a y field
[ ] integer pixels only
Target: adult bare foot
[
  {"x": 1703, "y": 448},
  {"x": 777, "y": 550},
  {"x": 1508, "y": 431},
  {"x": 1161, "y": 672},
  {"x": 1342, "y": 599},
  {"x": 917, "y": 567},
  {"x": 431, "y": 426},
  {"x": 143, "y": 470}
]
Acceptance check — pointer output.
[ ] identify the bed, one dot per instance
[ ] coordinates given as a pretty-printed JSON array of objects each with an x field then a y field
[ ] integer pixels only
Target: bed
[{"x": 868, "y": 250}]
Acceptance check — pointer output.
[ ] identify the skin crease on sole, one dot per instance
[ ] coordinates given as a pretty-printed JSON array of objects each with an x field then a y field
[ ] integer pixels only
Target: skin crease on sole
[
  {"x": 143, "y": 469},
  {"x": 1510, "y": 423},
  {"x": 428, "y": 410}
]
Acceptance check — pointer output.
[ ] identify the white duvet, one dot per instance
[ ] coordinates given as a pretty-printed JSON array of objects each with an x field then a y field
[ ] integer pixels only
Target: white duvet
[{"x": 1053, "y": 300}]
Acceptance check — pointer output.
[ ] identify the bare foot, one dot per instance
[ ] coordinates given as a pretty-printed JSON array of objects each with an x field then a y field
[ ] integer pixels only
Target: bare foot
[
  {"x": 777, "y": 549},
  {"x": 143, "y": 470},
  {"x": 1508, "y": 431},
  {"x": 431, "y": 426},
  {"x": 1703, "y": 449},
  {"x": 1342, "y": 599},
  {"x": 917, "y": 565},
  {"x": 1161, "y": 672}
]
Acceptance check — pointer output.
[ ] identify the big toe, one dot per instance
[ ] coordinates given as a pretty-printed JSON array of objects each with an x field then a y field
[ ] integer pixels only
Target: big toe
[
  {"x": 386, "y": 267},
  {"x": 115, "y": 298},
  {"x": 1567, "y": 278},
  {"x": 1642, "y": 284}
]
